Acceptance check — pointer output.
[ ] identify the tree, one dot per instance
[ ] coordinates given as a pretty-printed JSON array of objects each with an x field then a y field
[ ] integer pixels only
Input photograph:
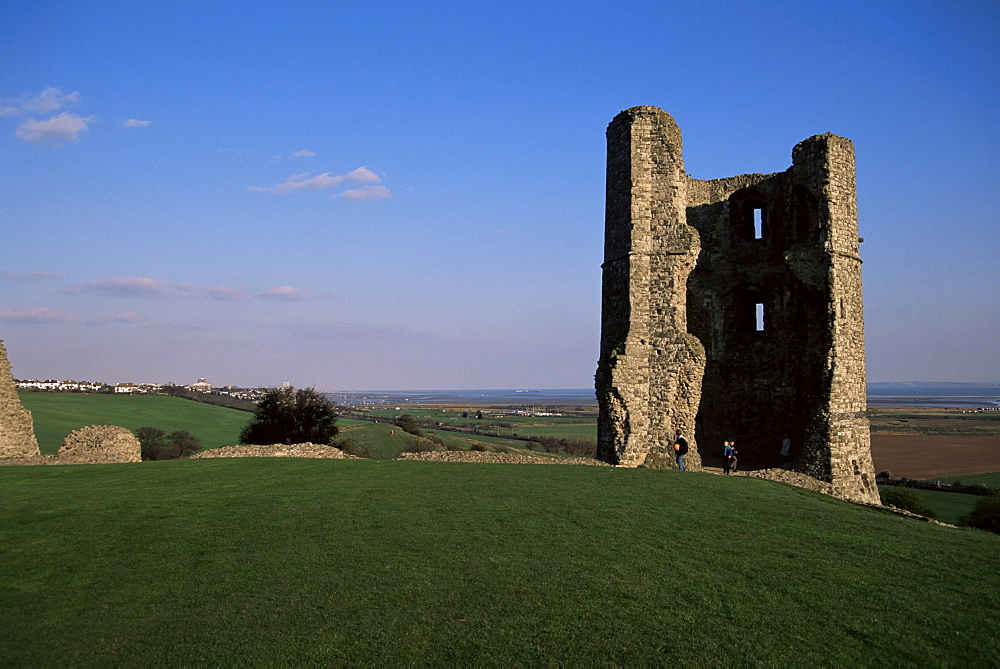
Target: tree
[
  {"x": 158, "y": 445},
  {"x": 183, "y": 443},
  {"x": 152, "y": 442},
  {"x": 291, "y": 416},
  {"x": 985, "y": 515}
]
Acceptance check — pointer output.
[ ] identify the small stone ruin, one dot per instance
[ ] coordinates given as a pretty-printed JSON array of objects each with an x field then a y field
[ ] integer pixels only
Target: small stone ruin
[{"x": 100, "y": 444}]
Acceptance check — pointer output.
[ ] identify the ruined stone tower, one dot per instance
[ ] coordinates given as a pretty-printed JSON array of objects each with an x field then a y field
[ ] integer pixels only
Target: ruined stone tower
[
  {"x": 17, "y": 433},
  {"x": 732, "y": 309}
]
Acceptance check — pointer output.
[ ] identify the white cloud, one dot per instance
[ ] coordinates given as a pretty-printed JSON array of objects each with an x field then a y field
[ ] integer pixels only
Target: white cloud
[
  {"x": 124, "y": 287},
  {"x": 65, "y": 127},
  {"x": 224, "y": 293},
  {"x": 46, "y": 102},
  {"x": 135, "y": 123},
  {"x": 303, "y": 181},
  {"x": 38, "y": 315},
  {"x": 304, "y": 153},
  {"x": 366, "y": 193},
  {"x": 287, "y": 294},
  {"x": 363, "y": 174}
]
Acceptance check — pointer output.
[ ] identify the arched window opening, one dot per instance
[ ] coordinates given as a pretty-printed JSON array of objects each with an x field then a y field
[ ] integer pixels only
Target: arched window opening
[{"x": 760, "y": 316}]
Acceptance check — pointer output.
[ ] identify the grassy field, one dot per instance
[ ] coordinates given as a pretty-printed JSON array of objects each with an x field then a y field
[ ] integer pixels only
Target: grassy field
[
  {"x": 933, "y": 421},
  {"x": 949, "y": 507},
  {"x": 989, "y": 479},
  {"x": 260, "y": 562},
  {"x": 57, "y": 414},
  {"x": 497, "y": 423}
]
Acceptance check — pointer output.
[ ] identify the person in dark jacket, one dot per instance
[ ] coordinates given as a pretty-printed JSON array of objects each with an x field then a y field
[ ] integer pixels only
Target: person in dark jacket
[{"x": 680, "y": 449}]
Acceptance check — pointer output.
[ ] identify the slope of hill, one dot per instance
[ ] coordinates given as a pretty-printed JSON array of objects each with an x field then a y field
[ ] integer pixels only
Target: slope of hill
[
  {"x": 57, "y": 414},
  {"x": 267, "y": 562}
]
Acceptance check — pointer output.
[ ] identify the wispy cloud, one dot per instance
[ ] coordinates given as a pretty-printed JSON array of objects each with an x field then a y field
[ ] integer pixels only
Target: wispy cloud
[
  {"x": 61, "y": 129},
  {"x": 38, "y": 315},
  {"x": 135, "y": 123},
  {"x": 127, "y": 317},
  {"x": 124, "y": 317},
  {"x": 303, "y": 181},
  {"x": 366, "y": 193},
  {"x": 224, "y": 293},
  {"x": 49, "y": 100},
  {"x": 124, "y": 287},
  {"x": 28, "y": 276},
  {"x": 287, "y": 294},
  {"x": 304, "y": 153}
]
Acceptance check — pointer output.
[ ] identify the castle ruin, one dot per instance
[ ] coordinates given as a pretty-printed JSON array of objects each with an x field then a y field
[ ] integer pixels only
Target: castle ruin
[
  {"x": 17, "y": 431},
  {"x": 732, "y": 309}
]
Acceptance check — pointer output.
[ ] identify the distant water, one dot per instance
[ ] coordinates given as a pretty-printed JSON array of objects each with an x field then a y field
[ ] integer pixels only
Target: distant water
[
  {"x": 957, "y": 395},
  {"x": 564, "y": 396}
]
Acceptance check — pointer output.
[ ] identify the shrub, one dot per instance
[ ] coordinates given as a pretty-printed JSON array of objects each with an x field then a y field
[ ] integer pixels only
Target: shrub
[
  {"x": 907, "y": 500},
  {"x": 406, "y": 423},
  {"x": 985, "y": 515},
  {"x": 352, "y": 447}
]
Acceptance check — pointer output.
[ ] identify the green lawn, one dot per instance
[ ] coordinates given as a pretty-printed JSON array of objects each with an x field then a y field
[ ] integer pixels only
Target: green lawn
[
  {"x": 265, "y": 562},
  {"x": 949, "y": 507},
  {"x": 988, "y": 479},
  {"x": 57, "y": 414}
]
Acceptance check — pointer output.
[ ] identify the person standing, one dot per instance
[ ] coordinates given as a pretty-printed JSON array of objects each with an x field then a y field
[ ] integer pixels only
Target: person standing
[
  {"x": 680, "y": 449},
  {"x": 786, "y": 448},
  {"x": 732, "y": 456},
  {"x": 727, "y": 454}
]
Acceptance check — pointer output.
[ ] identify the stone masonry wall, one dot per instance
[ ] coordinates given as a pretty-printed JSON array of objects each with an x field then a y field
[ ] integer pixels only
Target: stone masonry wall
[
  {"x": 687, "y": 270},
  {"x": 17, "y": 432},
  {"x": 649, "y": 375}
]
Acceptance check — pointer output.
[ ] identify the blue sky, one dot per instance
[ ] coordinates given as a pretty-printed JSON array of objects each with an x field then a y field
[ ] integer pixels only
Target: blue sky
[{"x": 411, "y": 195}]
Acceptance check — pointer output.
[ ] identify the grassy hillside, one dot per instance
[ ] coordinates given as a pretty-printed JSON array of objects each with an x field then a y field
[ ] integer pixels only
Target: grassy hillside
[
  {"x": 57, "y": 414},
  {"x": 265, "y": 562},
  {"x": 384, "y": 441}
]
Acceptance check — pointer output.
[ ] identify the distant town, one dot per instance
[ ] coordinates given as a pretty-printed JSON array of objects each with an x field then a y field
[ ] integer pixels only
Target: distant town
[{"x": 199, "y": 386}]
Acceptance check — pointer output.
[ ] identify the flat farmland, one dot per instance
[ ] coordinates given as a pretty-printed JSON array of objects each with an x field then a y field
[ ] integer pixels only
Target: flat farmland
[{"x": 922, "y": 456}]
